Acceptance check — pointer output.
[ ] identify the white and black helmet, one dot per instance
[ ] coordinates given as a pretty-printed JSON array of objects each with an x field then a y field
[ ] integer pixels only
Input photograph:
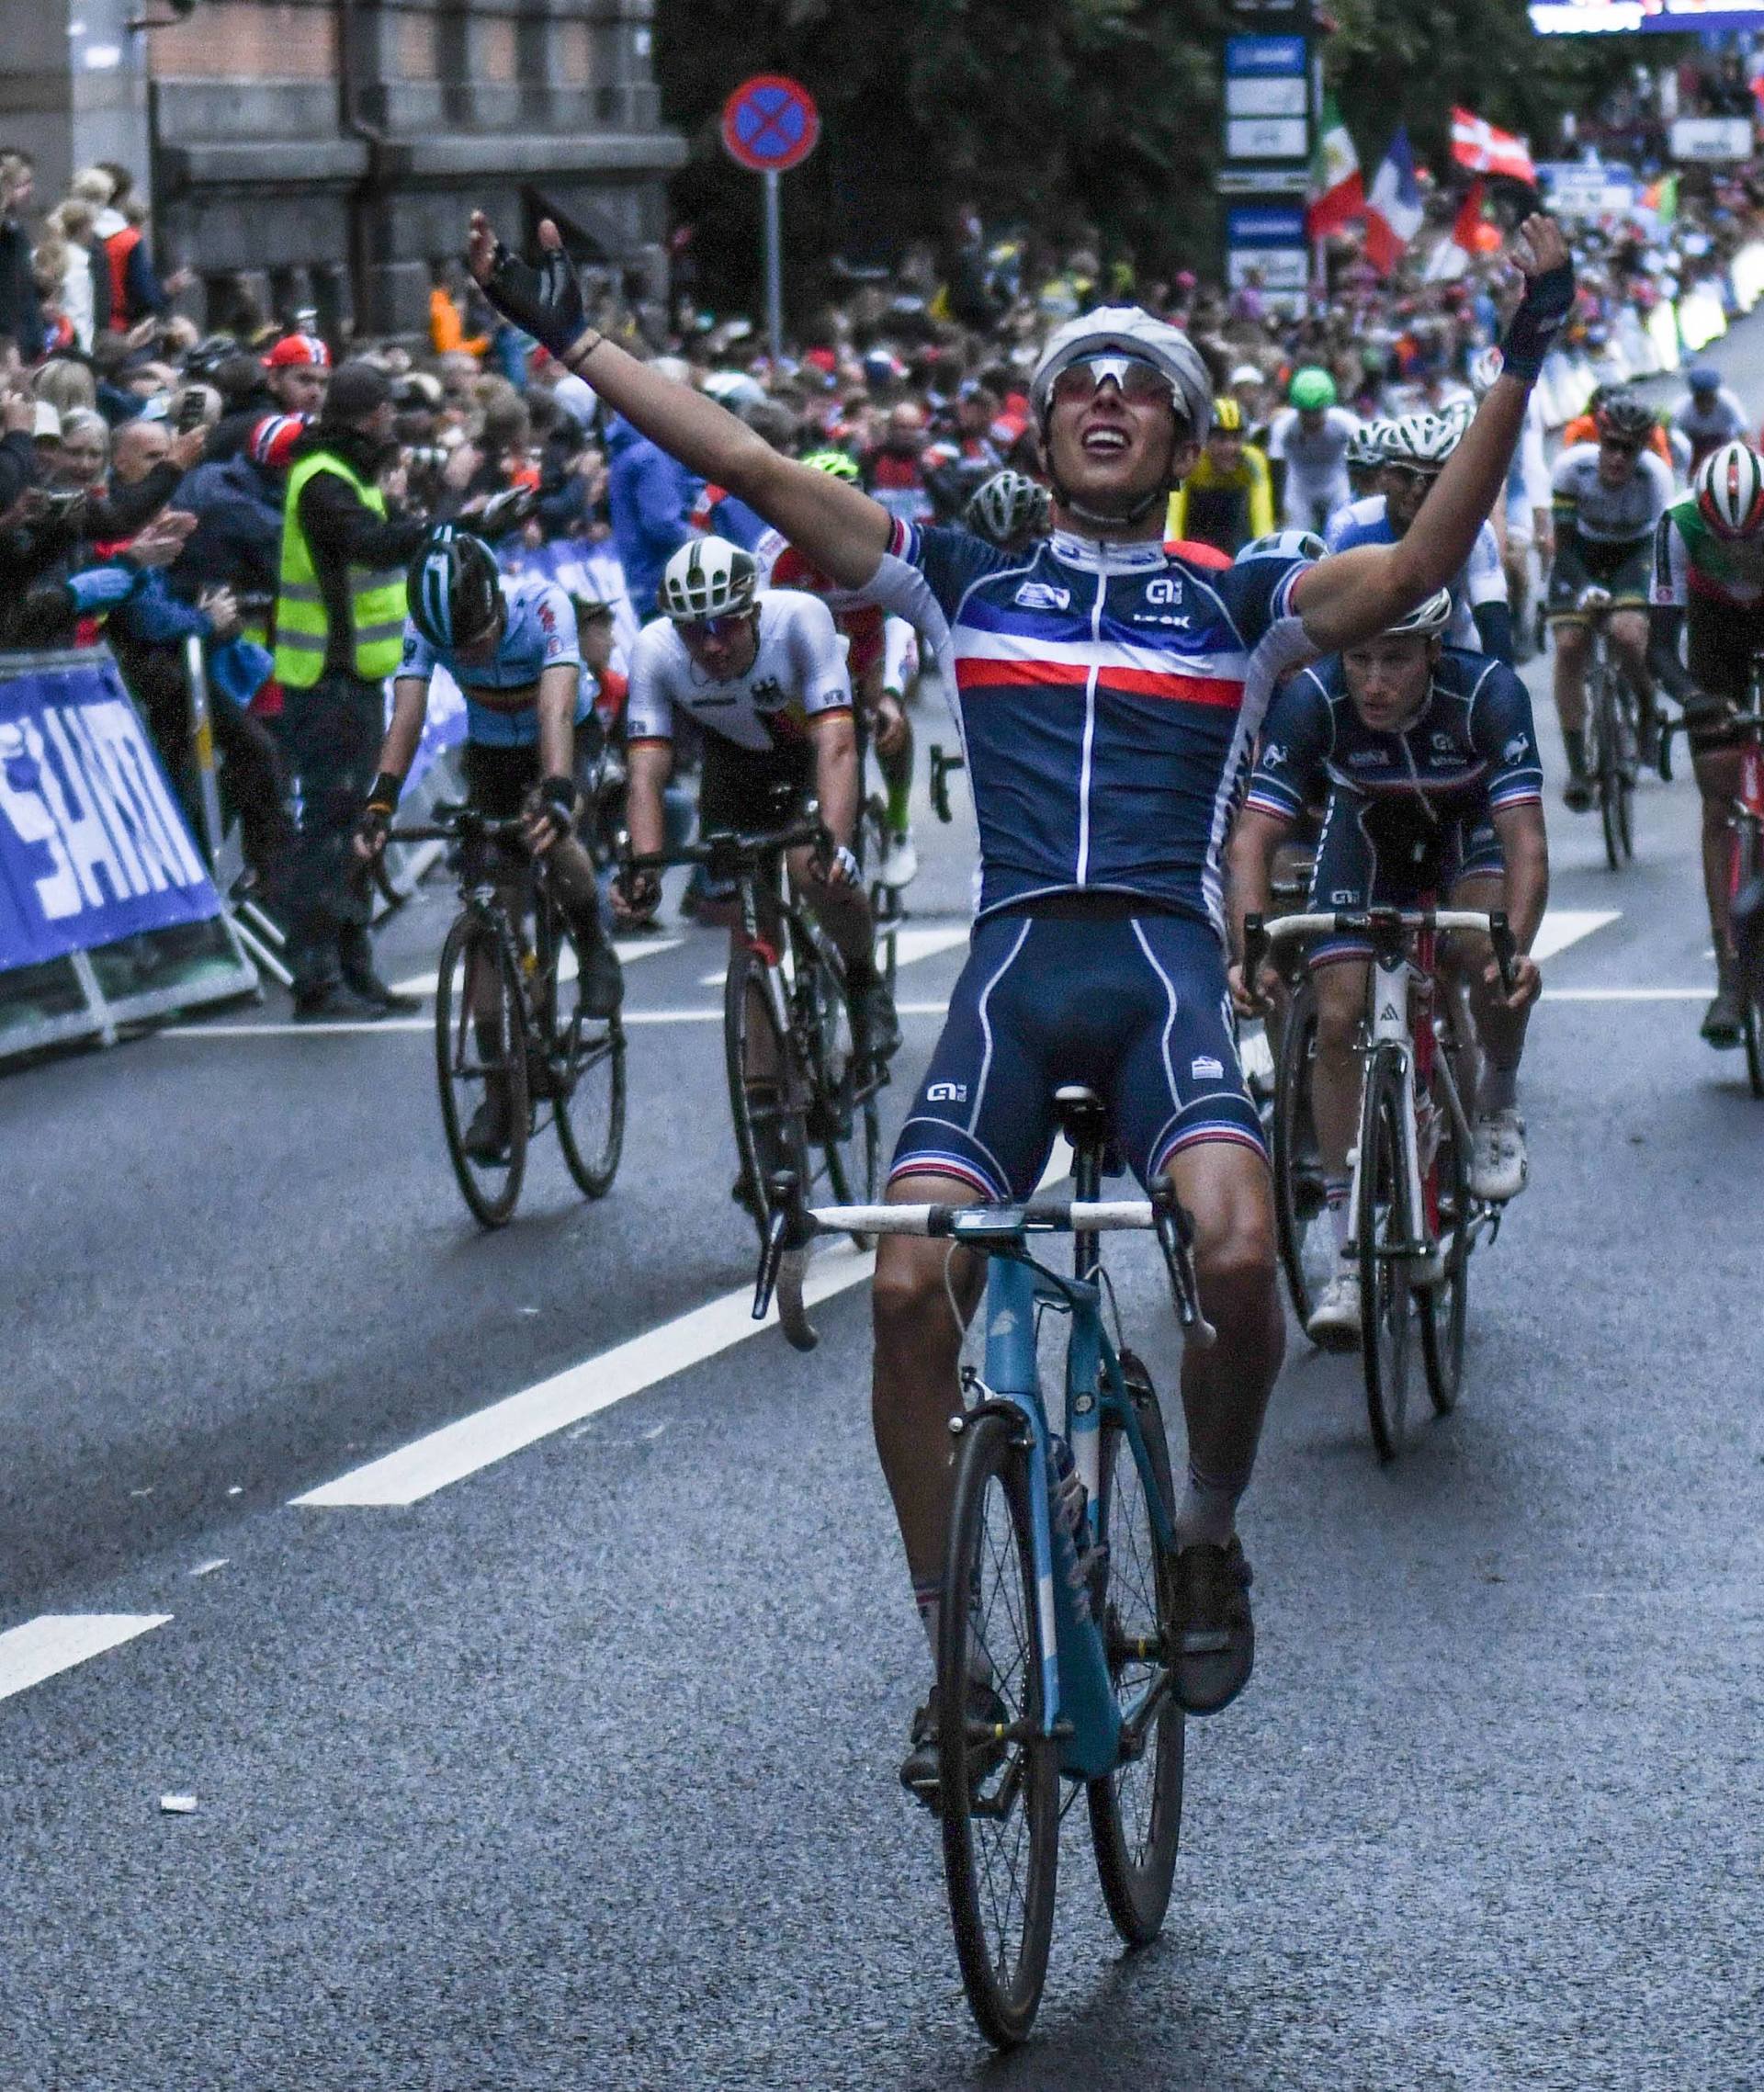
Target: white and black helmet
[
  {"x": 1001, "y": 508},
  {"x": 1366, "y": 445},
  {"x": 1423, "y": 441},
  {"x": 1128, "y": 330},
  {"x": 1486, "y": 365},
  {"x": 1730, "y": 490},
  {"x": 1429, "y": 617},
  {"x": 707, "y": 577}
]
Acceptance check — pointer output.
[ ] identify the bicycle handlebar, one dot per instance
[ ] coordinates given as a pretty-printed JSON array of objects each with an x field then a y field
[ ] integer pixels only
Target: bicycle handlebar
[
  {"x": 1260, "y": 937},
  {"x": 730, "y": 848},
  {"x": 793, "y": 1225}
]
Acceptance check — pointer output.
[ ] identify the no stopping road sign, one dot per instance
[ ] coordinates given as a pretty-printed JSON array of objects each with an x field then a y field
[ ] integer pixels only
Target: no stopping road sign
[{"x": 770, "y": 123}]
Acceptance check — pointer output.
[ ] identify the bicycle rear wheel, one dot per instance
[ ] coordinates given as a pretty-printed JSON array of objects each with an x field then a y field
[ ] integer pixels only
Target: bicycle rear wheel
[
  {"x": 1384, "y": 1295},
  {"x": 1445, "y": 1308},
  {"x": 766, "y": 1088},
  {"x": 1306, "y": 1246},
  {"x": 479, "y": 1053},
  {"x": 1136, "y": 1810},
  {"x": 587, "y": 1071},
  {"x": 1608, "y": 764},
  {"x": 843, "y": 1119},
  {"x": 999, "y": 1799}
]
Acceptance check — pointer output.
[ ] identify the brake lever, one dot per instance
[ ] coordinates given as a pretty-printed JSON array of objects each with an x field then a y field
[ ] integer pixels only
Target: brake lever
[
  {"x": 1176, "y": 1238},
  {"x": 784, "y": 1257},
  {"x": 1255, "y": 950},
  {"x": 1506, "y": 945},
  {"x": 941, "y": 766}
]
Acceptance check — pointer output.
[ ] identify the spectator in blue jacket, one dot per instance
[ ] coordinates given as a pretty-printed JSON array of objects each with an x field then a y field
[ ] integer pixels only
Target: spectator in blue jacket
[{"x": 650, "y": 499}]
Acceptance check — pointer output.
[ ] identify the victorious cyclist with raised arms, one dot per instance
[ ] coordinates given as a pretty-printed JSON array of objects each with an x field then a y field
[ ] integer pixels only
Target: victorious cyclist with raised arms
[{"x": 1109, "y": 694}]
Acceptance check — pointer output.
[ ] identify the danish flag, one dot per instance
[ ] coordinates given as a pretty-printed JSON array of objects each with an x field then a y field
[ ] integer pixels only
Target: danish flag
[{"x": 1476, "y": 144}]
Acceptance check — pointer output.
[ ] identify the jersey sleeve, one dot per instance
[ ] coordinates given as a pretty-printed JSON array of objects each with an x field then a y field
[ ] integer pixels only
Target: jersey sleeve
[
  {"x": 1256, "y": 588},
  {"x": 1659, "y": 477},
  {"x": 1502, "y": 733},
  {"x": 417, "y": 657},
  {"x": 817, "y": 657},
  {"x": 1671, "y": 586},
  {"x": 934, "y": 560},
  {"x": 649, "y": 704},
  {"x": 1484, "y": 578},
  {"x": 1296, "y": 736},
  {"x": 556, "y": 618}
]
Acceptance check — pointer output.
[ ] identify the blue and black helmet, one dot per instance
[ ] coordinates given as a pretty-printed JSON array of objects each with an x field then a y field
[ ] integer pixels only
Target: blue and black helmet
[{"x": 454, "y": 589}]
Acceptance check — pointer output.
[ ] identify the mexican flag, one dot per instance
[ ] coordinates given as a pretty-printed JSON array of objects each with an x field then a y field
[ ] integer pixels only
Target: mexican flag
[{"x": 1338, "y": 192}]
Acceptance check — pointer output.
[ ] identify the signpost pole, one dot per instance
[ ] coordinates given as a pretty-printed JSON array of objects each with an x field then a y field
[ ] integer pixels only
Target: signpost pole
[{"x": 773, "y": 268}]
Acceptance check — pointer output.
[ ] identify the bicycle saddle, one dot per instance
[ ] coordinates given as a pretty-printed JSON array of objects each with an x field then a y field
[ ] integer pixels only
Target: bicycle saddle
[{"x": 1083, "y": 1116}]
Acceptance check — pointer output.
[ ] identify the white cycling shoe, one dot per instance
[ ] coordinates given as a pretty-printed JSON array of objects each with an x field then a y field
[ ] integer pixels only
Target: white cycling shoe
[
  {"x": 1499, "y": 1166},
  {"x": 900, "y": 865},
  {"x": 1334, "y": 1324}
]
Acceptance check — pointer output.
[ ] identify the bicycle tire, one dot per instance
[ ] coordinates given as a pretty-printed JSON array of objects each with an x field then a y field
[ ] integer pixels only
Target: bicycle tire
[
  {"x": 767, "y": 1138},
  {"x": 1298, "y": 1185},
  {"x": 1749, "y": 863},
  {"x": 474, "y": 942},
  {"x": 587, "y": 1059},
  {"x": 1385, "y": 1293},
  {"x": 1137, "y": 1866},
  {"x": 885, "y": 901},
  {"x": 1445, "y": 1308},
  {"x": 1017, "y": 1789},
  {"x": 843, "y": 1119},
  {"x": 1609, "y": 784}
]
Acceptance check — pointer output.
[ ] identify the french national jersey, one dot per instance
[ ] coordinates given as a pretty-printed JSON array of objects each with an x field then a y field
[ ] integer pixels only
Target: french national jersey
[
  {"x": 500, "y": 695},
  {"x": 1108, "y": 696}
]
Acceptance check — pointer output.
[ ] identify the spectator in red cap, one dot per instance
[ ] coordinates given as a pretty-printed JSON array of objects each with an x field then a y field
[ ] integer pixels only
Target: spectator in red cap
[{"x": 295, "y": 374}]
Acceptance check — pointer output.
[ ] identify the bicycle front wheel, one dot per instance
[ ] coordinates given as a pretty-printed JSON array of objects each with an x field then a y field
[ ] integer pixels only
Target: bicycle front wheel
[
  {"x": 765, "y": 1096},
  {"x": 1445, "y": 1305},
  {"x": 1306, "y": 1245},
  {"x": 588, "y": 1076},
  {"x": 1383, "y": 1247},
  {"x": 998, "y": 1775},
  {"x": 1136, "y": 1810},
  {"x": 480, "y": 1066},
  {"x": 1607, "y": 769}
]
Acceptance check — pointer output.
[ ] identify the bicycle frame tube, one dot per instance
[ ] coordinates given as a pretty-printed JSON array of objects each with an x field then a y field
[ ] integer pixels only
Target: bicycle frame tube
[{"x": 1392, "y": 978}]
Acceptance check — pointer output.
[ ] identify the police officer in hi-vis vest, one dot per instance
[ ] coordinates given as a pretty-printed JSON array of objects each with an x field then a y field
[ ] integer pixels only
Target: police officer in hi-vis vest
[{"x": 339, "y": 629}]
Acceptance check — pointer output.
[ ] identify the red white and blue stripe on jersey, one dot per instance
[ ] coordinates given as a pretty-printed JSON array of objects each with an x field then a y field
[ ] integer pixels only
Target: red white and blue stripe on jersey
[{"x": 1108, "y": 697}]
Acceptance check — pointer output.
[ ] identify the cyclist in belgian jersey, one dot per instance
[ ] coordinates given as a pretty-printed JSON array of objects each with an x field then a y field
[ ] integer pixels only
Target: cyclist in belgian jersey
[
  {"x": 1228, "y": 498},
  {"x": 762, "y": 672},
  {"x": 1108, "y": 695},
  {"x": 1415, "y": 449},
  {"x": 511, "y": 645},
  {"x": 1607, "y": 497},
  {"x": 1709, "y": 588},
  {"x": 1427, "y": 760}
]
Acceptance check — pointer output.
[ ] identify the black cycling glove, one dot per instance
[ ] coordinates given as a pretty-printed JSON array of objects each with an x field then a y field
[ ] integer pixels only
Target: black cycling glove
[
  {"x": 559, "y": 795},
  {"x": 545, "y": 302},
  {"x": 1532, "y": 331}
]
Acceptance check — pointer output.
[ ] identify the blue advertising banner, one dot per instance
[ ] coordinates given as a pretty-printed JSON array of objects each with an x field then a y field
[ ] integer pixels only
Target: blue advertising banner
[{"x": 93, "y": 844}]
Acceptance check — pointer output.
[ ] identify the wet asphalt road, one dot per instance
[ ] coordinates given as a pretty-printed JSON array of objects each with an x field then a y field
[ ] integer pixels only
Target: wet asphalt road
[{"x": 579, "y": 1771}]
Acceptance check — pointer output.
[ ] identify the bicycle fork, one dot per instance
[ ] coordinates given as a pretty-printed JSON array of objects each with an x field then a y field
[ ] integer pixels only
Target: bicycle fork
[{"x": 1389, "y": 1039}]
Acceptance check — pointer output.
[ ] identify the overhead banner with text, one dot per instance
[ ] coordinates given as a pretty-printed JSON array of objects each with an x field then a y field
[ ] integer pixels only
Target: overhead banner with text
[{"x": 93, "y": 844}]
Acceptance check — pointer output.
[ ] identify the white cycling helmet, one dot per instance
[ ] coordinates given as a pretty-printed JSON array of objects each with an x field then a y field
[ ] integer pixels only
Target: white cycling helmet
[
  {"x": 707, "y": 577},
  {"x": 1429, "y": 616},
  {"x": 1425, "y": 441},
  {"x": 1485, "y": 367},
  {"x": 1366, "y": 445},
  {"x": 1282, "y": 545},
  {"x": 1004, "y": 506},
  {"x": 1128, "y": 330},
  {"x": 1730, "y": 490}
]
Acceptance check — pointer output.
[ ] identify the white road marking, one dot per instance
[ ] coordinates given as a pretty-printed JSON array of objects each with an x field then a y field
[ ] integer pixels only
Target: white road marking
[
  {"x": 628, "y": 948},
  {"x": 1564, "y": 926},
  {"x": 427, "y": 1024},
  {"x": 459, "y": 1449},
  {"x": 1626, "y": 994},
  {"x": 909, "y": 946},
  {"x": 207, "y": 1568},
  {"x": 55, "y": 1642}
]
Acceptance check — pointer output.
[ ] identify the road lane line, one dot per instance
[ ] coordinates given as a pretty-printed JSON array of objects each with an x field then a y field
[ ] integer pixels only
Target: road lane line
[
  {"x": 1626, "y": 994},
  {"x": 427, "y": 1024},
  {"x": 1564, "y": 926},
  {"x": 55, "y": 1642},
  {"x": 471, "y": 1443},
  {"x": 459, "y": 1449},
  {"x": 628, "y": 948}
]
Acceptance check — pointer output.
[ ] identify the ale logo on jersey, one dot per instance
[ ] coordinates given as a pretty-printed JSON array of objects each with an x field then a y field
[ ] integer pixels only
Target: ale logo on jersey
[{"x": 1042, "y": 595}]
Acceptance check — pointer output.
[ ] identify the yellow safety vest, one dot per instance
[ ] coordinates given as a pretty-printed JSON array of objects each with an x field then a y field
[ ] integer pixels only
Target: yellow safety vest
[{"x": 376, "y": 596}]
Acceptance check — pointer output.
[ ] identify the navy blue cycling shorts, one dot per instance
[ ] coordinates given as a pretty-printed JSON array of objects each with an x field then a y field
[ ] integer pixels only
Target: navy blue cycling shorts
[
  {"x": 1136, "y": 1007},
  {"x": 1350, "y": 872}
]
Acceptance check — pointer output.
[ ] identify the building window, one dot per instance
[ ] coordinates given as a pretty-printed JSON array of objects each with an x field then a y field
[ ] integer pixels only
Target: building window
[
  {"x": 247, "y": 40},
  {"x": 419, "y": 47},
  {"x": 496, "y": 50}
]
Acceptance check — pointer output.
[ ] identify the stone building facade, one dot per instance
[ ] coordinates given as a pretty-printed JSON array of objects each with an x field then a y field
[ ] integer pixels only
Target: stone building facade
[{"x": 327, "y": 152}]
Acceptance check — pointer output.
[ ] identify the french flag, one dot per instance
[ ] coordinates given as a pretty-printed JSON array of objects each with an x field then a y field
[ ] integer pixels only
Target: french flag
[{"x": 1393, "y": 206}]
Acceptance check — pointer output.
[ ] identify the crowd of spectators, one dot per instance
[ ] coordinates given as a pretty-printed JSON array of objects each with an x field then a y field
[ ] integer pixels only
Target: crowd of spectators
[{"x": 142, "y": 462}]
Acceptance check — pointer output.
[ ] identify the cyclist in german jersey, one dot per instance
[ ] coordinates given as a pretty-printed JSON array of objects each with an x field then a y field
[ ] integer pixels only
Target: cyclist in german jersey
[
  {"x": 762, "y": 672},
  {"x": 1415, "y": 449},
  {"x": 1108, "y": 695},
  {"x": 1607, "y": 497},
  {"x": 1709, "y": 588},
  {"x": 512, "y": 647},
  {"x": 1426, "y": 759}
]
